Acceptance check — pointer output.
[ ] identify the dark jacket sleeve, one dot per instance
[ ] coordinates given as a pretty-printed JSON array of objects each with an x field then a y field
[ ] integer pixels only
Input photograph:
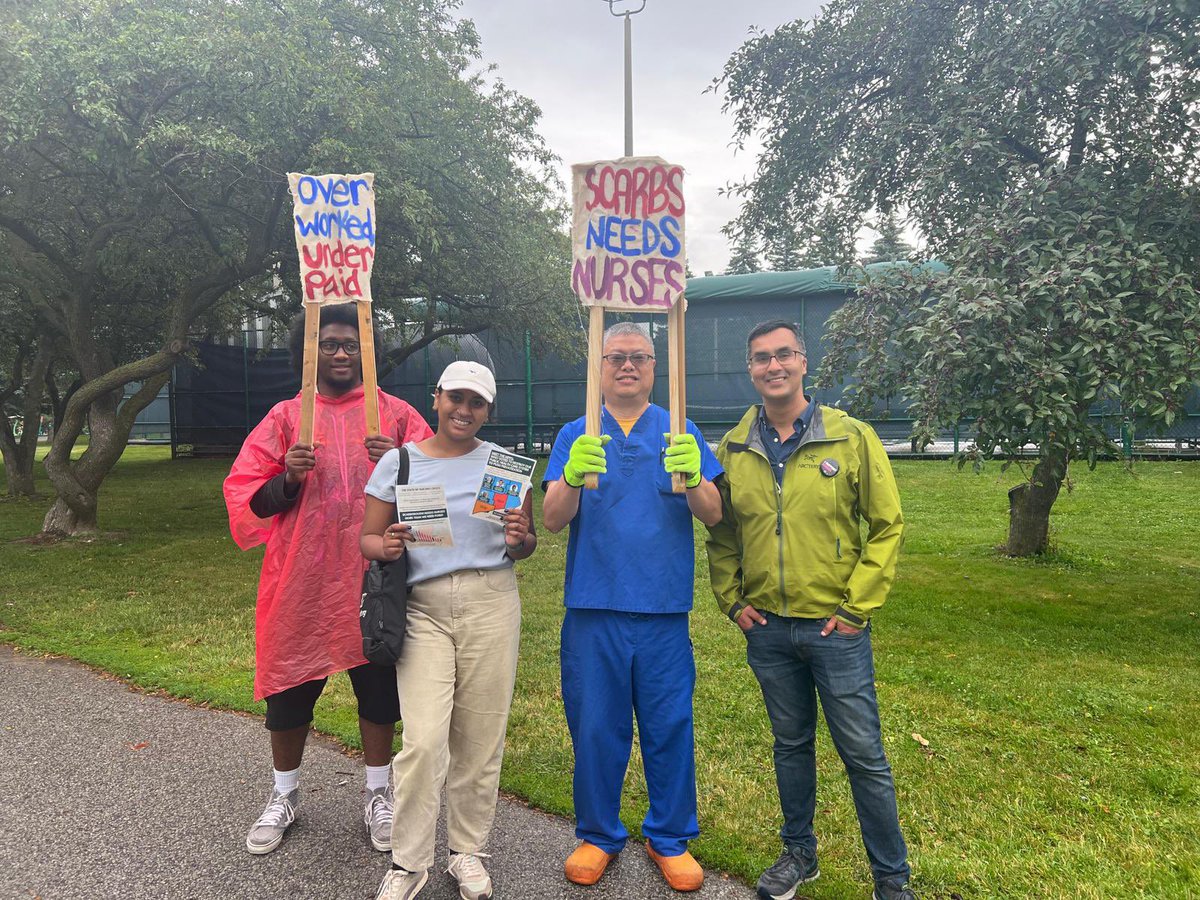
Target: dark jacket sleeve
[{"x": 273, "y": 498}]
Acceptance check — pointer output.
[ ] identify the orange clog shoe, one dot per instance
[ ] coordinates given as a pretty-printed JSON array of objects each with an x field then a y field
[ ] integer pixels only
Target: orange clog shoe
[
  {"x": 587, "y": 864},
  {"x": 682, "y": 873}
]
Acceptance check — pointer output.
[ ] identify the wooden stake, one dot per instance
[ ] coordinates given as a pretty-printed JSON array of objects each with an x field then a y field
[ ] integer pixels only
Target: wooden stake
[
  {"x": 366, "y": 341},
  {"x": 591, "y": 481},
  {"x": 308, "y": 383},
  {"x": 677, "y": 381}
]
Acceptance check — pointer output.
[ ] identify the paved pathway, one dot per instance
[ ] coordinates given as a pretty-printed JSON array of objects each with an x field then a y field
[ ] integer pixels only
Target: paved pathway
[{"x": 109, "y": 793}]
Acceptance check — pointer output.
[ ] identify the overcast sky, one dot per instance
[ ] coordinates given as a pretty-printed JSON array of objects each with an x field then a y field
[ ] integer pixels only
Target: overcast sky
[{"x": 567, "y": 56}]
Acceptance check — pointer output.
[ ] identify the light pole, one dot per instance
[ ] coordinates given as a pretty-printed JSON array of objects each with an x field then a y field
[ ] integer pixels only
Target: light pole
[
  {"x": 596, "y": 312},
  {"x": 627, "y": 15}
]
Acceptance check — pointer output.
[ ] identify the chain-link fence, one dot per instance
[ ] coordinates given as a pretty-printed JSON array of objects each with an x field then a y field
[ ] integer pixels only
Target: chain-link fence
[{"x": 214, "y": 406}]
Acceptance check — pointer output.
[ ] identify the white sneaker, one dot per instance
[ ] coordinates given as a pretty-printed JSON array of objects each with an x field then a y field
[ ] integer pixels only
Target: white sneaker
[
  {"x": 267, "y": 833},
  {"x": 399, "y": 884},
  {"x": 378, "y": 818},
  {"x": 467, "y": 869}
]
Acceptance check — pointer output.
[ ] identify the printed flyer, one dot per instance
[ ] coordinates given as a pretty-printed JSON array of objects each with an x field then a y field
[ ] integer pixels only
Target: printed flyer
[
  {"x": 424, "y": 508},
  {"x": 506, "y": 481}
]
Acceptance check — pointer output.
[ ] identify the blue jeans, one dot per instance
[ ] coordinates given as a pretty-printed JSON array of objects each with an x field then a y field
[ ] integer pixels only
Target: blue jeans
[{"x": 794, "y": 665}]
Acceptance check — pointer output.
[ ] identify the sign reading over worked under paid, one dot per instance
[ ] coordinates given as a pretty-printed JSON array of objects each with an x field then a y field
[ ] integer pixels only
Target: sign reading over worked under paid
[{"x": 334, "y": 217}]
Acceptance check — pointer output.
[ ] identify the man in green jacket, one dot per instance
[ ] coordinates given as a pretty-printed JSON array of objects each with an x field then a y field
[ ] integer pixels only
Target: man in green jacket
[{"x": 790, "y": 567}]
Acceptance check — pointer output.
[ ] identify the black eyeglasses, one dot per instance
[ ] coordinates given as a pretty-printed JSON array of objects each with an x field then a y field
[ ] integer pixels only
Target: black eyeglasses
[
  {"x": 763, "y": 359},
  {"x": 618, "y": 360},
  {"x": 330, "y": 348}
]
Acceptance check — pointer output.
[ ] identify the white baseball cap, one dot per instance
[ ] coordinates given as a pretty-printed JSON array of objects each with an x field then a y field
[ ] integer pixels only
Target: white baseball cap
[{"x": 469, "y": 375}]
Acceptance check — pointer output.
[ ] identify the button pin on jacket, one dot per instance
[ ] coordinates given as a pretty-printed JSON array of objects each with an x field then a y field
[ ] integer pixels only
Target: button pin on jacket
[{"x": 829, "y": 467}]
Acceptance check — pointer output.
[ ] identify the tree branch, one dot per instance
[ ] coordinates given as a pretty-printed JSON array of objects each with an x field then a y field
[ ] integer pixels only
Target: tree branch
[
  {"x": 206, "y": 229},
  {"x": 395, "y": 357},
  {"x": 38, "y": 245},
  {"x": 1078, "y": 145},
  {"x": 1024, "y": 151},
  {"x": 140, "y": 400}
]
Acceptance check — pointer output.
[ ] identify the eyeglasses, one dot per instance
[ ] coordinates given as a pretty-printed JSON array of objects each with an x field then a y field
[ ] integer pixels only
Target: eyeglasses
[
  {"x": 762, "y": 359},
  {"x": 618, "y": 360},
  {"x": 330, "y": 348}
]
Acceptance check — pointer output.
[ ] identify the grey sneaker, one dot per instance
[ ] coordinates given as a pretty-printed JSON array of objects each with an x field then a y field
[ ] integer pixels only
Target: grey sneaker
[
  {"x": 467, "y": 869},
  {"x": 377, "y": 816},
  {"x": 267, "y": 833},
  {"x": 893, "y": 889},
  {"x": 399, "y": 884},
  {"x": 794, "y": 867}
]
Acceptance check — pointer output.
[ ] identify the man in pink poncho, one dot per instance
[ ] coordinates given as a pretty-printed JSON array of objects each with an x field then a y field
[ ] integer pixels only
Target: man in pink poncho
[{"x": 305, "y": 502}]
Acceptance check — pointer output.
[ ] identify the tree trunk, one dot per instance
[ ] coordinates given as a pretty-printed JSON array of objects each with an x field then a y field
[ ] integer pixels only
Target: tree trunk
[
  {"x": 20, "y": 483},
  {"x": 77, "y": 482},
  {"x": 19, "y": 453},
  {"x": 64, "y": 520},
  {"x": 18, "y": 459},
  {"x": 1029, "y": 505}
]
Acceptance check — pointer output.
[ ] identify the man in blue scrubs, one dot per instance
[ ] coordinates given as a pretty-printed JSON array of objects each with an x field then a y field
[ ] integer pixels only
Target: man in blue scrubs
[{"x": 625, "y": 645}]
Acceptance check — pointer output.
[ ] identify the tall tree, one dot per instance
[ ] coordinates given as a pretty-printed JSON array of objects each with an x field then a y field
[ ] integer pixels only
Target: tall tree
[
  {"x": 145, "y": 146},
  {"x": 784, "y": 247},
  {"x": 890, "y": 245},
  {"x": 1050, "y": 155},
  {"x": 744, "y": 259},
  {"x": 827, "y": 240}
]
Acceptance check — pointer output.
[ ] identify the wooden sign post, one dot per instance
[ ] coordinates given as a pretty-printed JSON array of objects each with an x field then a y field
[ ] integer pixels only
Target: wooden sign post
[
  {"x": 677, "y": 380},
  {"x": 366, "y": 342},
  {"x": 591, "y": 480},
  {"x": 335, "y": 238},
  {"x": 308, "y": 382},
  {"x": 627, "y": 248}
]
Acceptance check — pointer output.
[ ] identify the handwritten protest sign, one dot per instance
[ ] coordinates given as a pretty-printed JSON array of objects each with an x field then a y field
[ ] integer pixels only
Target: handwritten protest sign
[
  {"x": 334, "y": 217},
  {"x": 627, "y": 235},
  {"x": 335, "y": 235},
  {"x": 628, "y": 254}
]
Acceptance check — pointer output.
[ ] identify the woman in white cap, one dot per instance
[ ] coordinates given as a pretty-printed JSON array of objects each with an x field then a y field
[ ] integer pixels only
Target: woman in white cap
[{"x": 459, "y": 660}]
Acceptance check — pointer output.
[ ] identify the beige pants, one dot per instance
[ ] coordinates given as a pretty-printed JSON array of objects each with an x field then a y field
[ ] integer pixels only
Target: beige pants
[{"x": 455, "y": 676}]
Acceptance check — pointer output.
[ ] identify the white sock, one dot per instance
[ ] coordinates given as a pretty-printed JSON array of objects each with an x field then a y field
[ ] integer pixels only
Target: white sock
[
  {"x": 377, "y": 777},
  {"x": 286, "y": 782}
]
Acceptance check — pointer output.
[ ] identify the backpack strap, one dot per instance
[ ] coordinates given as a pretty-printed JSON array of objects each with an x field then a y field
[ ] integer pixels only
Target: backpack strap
[{"x": 402, "y": 465}]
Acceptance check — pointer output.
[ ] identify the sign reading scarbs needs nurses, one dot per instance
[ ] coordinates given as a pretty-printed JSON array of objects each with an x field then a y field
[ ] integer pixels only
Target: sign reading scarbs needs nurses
[
  {"x": 335, "y": 235},
  {"x": 627, "y": 235}
]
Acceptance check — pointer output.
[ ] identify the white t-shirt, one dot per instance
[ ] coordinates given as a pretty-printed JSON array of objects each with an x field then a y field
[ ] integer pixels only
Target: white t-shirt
[{"x": 478, "y": 543}]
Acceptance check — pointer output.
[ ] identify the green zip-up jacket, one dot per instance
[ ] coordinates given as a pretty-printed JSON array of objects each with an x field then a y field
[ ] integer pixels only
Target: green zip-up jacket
[{"x": 797, "y": 549}]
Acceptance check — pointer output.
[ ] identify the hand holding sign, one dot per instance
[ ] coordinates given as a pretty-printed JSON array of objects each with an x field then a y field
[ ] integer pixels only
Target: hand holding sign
[
  {"x": 586, "y": 457},
  {"x": 683, "y": 456}
]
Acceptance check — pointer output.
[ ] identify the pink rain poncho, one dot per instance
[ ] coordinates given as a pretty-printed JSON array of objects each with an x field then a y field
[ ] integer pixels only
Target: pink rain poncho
[{"x": 306, "y": 622}]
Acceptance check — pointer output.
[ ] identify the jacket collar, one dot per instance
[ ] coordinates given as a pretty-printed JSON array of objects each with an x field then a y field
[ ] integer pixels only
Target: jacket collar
[
  {"x": 349, "y": 397},
  {"x": 825, "y": 426}
]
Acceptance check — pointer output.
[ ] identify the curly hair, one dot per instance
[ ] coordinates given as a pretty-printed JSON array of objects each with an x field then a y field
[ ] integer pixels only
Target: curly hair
[{"x": 332, "y": 314}]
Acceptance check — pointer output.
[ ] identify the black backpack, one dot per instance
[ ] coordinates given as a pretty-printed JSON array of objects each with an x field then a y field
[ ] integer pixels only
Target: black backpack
[{"x": 383, "y": 610}]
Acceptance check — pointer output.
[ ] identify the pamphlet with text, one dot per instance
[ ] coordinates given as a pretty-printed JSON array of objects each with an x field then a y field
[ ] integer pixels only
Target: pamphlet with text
[
  {"x": 506, "y": 481},
  {"x": 424, "y": 508}
]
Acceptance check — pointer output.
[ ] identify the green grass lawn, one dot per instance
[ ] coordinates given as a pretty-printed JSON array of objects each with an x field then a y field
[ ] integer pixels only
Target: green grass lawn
[{"x": 1057, "y": 696}]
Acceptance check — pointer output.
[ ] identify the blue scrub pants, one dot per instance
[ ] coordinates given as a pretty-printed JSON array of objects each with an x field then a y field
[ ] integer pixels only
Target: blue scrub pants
[{"x": 616, "y": 665}]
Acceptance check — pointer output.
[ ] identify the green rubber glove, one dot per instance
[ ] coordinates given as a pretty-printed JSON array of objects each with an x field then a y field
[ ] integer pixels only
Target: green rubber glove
[
  {"x": 683, "y": 455},
  {"x": 586, "y": 457}
]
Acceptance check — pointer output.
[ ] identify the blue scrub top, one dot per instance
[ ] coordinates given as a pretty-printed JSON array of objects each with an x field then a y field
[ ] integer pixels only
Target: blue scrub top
[{"x": 630, "y": 547}]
